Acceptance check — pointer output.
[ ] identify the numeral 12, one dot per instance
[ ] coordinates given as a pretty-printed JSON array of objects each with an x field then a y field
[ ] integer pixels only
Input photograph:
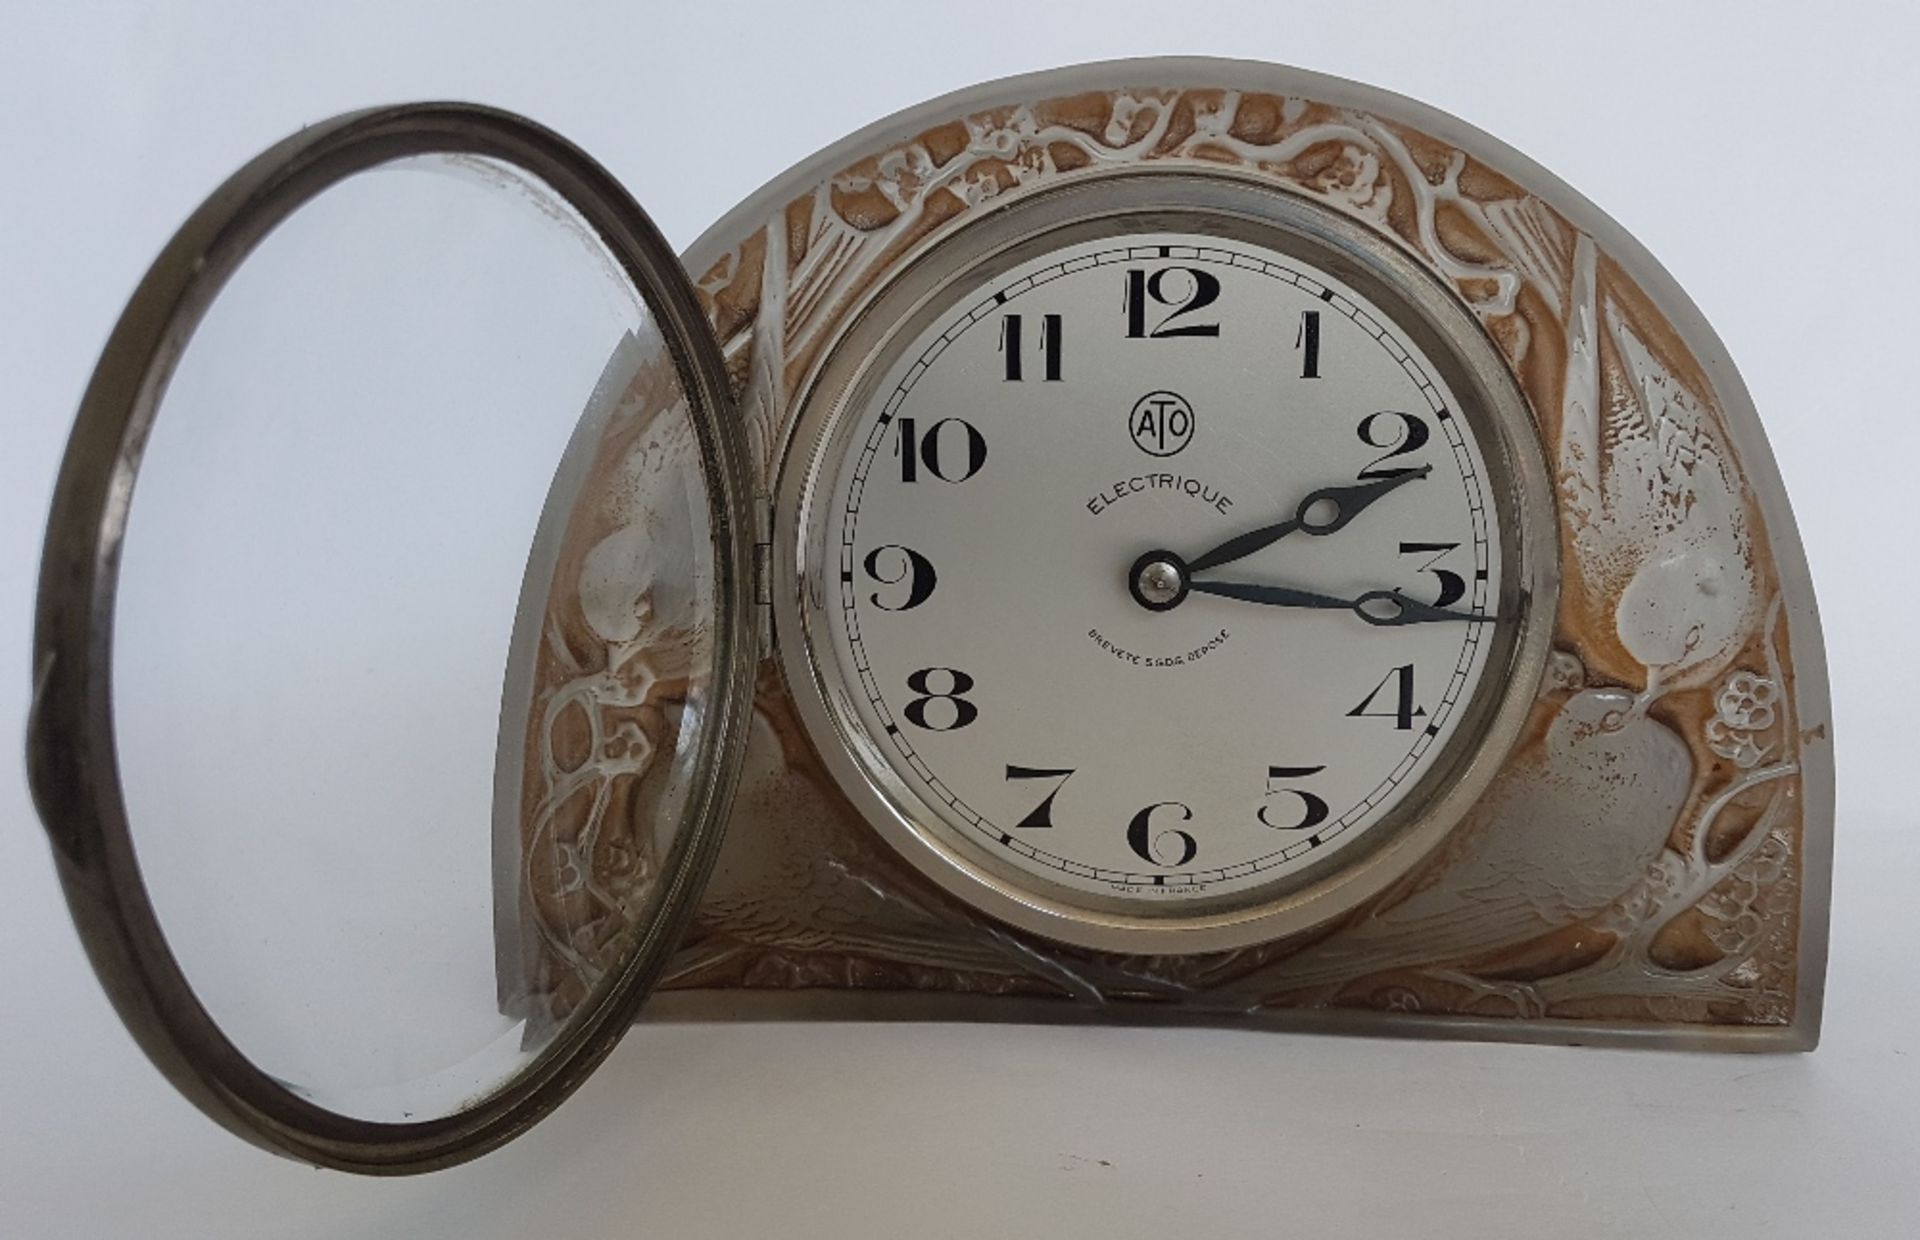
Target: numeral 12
[{"x": 1144, "y": 286}]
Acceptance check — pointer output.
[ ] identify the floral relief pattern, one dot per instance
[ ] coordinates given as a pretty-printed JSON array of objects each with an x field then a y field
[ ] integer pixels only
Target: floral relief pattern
[
  {"x": 1743, "y": 712},
  {"x": 619, "y": 663},
  {"x": 1639, "y": 857}
]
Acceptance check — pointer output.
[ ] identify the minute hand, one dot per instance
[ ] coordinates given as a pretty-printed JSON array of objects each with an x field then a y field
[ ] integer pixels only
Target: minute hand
[
  {"x": 1382, "y": 607},
  {"x": 1348, "y": 502}
]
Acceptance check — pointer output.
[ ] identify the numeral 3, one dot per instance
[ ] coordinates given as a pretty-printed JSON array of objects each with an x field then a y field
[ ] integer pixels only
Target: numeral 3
[{"x": 1452, "y": 585}]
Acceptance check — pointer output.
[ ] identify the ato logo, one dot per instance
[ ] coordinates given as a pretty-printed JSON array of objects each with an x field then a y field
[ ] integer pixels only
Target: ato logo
[{"x": 1161, "y": 423}]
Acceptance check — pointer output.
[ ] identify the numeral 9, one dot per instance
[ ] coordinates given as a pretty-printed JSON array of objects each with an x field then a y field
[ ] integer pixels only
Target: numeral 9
[{"x": 915, "y": 569}]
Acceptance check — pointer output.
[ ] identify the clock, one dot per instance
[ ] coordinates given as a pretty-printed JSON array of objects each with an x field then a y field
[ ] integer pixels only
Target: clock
[
  {"x": 1171, "y": 566},
  {"x": 1169, "y": 540}
]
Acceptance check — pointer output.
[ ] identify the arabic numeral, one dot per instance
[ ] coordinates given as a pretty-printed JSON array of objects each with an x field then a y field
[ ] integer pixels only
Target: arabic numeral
[
  {"x": 1149, "y": 843},
  {"x": 1312, "y": 809},
  {"x": 940, "y": 450},
  {"x": 959, "y": 683},
  {"x": 1052, "y": 343},
  {"x": 1042, "y": 814},
  {"x": 1182, "y": 289},
  {"x": 1307, "y": 340},
  {"x": 913, "y": 568},
  {"x": 1401, "y": 434},
  {"x": 1403, "y": 711},
  {"x": 1453, "y": 587}
]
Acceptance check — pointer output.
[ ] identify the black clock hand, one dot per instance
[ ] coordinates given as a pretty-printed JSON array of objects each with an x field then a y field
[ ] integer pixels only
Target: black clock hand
[
  {"x": 1381, "y": 607},
  {"x": 1273, "y": 596},
  {"x": 1348, "y": 502}
]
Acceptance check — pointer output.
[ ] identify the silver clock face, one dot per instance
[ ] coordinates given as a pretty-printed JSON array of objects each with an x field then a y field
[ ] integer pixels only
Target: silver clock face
[{"x": 1158, "y": 570}]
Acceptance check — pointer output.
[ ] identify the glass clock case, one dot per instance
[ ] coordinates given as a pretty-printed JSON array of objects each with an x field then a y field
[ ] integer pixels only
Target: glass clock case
[{"x": 1165, "y": 540}]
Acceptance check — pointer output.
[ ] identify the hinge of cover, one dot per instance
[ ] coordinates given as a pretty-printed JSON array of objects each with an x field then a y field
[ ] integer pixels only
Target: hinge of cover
[{"x": 763, "y": 569}]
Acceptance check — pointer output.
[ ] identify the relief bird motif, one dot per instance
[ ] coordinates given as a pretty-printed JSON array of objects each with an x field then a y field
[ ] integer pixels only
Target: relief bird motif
[
  {"x": 1566, "y": 831},
  {"x": 1654, "y": 500},
  {"x": 625, "y": 633},
  {"x": 801, "y": 898},
  {"x": 1664, "y": 560}
]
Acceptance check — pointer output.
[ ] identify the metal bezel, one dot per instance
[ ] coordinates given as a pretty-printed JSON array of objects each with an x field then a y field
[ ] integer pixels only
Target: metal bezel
[
  {"x": 1113, "y": 202},
  {"x": 71, "y": 755}
]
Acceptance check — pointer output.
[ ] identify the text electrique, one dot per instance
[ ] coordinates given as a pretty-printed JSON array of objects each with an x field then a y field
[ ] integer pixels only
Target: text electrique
[{"x": 1139, "y": 484}]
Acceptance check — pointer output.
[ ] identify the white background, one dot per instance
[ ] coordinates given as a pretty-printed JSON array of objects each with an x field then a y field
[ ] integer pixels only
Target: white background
[{"x": 1763, "y": 151}]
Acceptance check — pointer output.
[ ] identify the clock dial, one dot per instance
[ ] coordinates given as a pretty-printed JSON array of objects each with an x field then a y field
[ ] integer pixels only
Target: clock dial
[{"x": 1160, "y": 568}]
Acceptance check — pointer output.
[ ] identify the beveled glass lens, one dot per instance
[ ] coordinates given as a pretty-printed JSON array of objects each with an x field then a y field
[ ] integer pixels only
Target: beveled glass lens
[{"x": 388, "y": 888}]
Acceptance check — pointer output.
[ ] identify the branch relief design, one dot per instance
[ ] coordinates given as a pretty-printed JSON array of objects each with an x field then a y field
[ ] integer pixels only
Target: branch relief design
[{"x": 1636, "y": 860}]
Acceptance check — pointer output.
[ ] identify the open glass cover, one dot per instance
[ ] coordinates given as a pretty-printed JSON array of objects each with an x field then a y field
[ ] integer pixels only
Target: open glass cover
[{"x": 393, "y": 645}]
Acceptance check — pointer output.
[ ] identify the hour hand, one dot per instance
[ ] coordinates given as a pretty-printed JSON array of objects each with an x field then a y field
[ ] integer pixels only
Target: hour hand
[
  {"x": 1321, "y": 512},
  {"x": 1386, "y": 608}
]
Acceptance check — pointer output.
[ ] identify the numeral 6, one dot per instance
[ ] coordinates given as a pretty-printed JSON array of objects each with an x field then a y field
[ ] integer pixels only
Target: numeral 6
[{"x": 1142, "y": 837}]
